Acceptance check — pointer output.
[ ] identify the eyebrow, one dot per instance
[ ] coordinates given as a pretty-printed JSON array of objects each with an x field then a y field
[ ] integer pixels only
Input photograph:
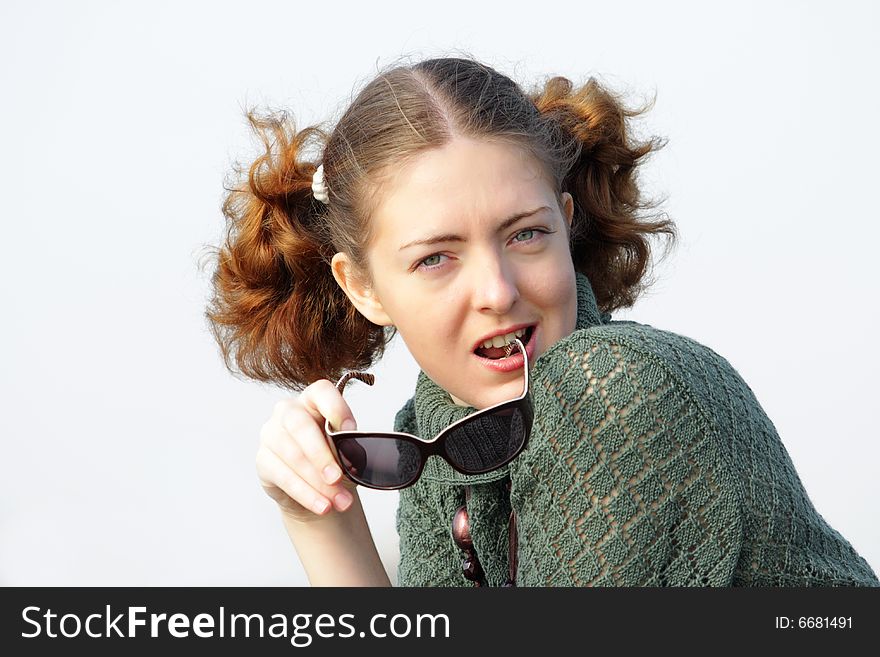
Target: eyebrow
[{"x": 452, "y": 237}]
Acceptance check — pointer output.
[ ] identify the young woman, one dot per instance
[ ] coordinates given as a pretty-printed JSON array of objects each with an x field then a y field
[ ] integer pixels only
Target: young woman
[{"x": 475, "y": 219}]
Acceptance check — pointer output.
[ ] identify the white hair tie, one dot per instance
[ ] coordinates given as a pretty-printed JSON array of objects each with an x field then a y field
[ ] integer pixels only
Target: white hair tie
[{"x": 319, "y": 187}]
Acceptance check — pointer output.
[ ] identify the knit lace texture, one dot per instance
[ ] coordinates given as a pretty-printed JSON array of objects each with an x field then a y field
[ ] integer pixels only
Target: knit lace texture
[{"x": 651, "y": 463}]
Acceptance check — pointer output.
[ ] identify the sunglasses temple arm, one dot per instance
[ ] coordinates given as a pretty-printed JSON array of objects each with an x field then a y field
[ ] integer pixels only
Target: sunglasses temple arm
[
  {"x": 367, "y": 378},
  {"x": 525, "y": 367}
]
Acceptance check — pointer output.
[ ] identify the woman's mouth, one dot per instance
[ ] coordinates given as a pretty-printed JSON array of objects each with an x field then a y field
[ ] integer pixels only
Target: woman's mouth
[{"x": 501, "y": 353}]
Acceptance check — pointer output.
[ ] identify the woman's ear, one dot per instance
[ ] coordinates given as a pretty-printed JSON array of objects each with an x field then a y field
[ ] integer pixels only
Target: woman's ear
[
  {"x": 567, "y": 209},
  {"x": 359, "y": 292}
]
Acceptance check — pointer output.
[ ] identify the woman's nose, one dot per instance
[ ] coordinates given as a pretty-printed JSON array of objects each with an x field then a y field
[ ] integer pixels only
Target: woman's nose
[{"x": 495, "y": 289}]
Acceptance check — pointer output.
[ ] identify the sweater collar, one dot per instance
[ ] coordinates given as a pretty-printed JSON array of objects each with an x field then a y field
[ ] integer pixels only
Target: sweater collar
[{"x": 435, "y": 410}]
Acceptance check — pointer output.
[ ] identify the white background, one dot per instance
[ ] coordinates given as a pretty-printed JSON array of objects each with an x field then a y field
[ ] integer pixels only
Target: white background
[{"x": 127, "y": 454}]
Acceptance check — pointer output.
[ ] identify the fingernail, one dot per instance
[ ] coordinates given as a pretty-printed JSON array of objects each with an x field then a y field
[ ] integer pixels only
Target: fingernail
[
  {"x": 343, "y": 500},
  {"x": 348, "y": 424},
  {"x": 331, "y": 473},
  {"x": 320, "y": 506}
]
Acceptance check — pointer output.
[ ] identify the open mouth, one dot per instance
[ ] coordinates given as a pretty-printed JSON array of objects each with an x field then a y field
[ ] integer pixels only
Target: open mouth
[{"x": 499, "y": 353}]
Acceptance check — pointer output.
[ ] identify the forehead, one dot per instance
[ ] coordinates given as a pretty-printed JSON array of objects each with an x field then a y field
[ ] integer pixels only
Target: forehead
[{"x": 464, "y": 183}]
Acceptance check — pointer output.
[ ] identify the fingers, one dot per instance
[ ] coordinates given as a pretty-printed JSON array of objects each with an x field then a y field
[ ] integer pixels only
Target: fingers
[
  {"x": 309, "y": 456},
  {"x": 283, "y": 484},
  {"x": 322, "y": 400},
  {"x": 296, "y": 461}
]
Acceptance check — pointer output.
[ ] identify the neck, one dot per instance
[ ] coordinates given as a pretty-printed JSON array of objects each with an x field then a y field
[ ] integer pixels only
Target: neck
[{"x": 458, "y": 402}]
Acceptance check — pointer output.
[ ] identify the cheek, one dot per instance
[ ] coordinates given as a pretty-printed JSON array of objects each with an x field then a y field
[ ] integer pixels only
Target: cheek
[
  {"x": 557, "y": 290},
  {"x": 559, "y": 301},
  {"x": 431, "y": 346},
  {"x": 425, "y": 327}
]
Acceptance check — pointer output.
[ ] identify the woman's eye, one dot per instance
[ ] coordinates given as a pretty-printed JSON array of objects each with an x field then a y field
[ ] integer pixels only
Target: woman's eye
[
  {"x": 531, "y": 234},
  {"x": 429, "y": 262}
]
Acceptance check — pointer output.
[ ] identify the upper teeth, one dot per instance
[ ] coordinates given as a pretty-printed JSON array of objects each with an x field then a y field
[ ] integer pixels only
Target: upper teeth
[{"x": 502, "y": 340}]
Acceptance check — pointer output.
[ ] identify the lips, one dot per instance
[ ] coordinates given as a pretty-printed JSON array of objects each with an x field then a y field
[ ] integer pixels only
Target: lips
[
  {"x": 511, "y": 329},
  {"x": 515, "y": 360},
  {"x": 494, "y": 353}
]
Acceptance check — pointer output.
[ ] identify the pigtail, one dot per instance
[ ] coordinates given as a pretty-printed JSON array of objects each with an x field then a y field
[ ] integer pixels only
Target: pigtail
[
  {"x": 610, "y": 227},
  {"x": 276, "y": 308}
]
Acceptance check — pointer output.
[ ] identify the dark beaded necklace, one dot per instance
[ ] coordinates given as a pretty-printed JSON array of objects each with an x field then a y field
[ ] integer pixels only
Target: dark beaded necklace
[{"x": 461, "y": 533}]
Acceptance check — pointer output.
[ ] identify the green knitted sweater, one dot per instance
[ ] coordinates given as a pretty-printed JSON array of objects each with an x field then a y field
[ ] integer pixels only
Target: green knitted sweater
[{"x": 650, "y": 463}]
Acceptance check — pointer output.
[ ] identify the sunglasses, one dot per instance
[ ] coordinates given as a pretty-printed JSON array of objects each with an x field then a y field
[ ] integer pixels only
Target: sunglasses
[{"x": 481, "y": 442}]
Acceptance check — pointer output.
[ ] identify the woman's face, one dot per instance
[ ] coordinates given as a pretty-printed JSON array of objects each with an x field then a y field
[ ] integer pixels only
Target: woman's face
[{"x": 481, "y": 274}]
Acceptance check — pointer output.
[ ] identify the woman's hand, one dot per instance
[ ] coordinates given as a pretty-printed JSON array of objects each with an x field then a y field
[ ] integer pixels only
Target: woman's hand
[{"x": 296, "y": 463}]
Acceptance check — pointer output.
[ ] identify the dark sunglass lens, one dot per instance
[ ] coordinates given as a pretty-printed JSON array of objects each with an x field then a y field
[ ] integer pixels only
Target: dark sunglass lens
[
  {"x": 488, "y": 441},
  {"x": 379, "y": 461}
]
